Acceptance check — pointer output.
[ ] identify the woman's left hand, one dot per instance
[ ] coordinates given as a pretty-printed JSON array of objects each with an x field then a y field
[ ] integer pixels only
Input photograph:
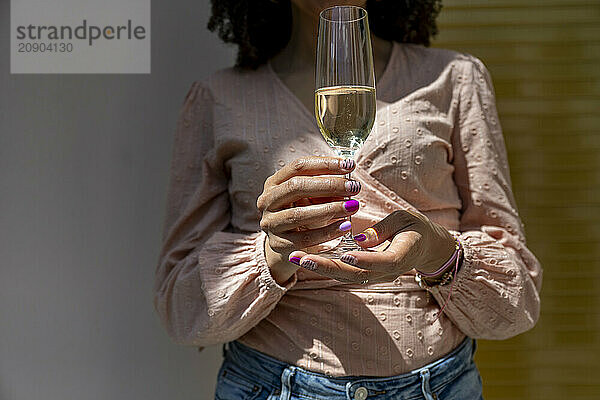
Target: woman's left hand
[{"x": 415, "y": 242}]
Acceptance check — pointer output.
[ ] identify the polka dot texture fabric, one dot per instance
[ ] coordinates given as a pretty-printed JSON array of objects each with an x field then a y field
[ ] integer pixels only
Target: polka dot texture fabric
[{"x": 436, "y": 147}]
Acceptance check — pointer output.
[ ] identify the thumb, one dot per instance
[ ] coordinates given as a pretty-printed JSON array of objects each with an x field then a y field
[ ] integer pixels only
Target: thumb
[{"x": 398, "y": 221}]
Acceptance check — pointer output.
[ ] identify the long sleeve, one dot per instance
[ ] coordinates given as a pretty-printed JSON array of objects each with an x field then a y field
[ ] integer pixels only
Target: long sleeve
[
  {"x": 496, "y": 292},
  {"x": 211, "y": 285}
]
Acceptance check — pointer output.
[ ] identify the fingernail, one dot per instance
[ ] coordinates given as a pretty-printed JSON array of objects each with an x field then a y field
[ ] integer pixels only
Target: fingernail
[
  {"x": 295, "y": 260},
  {"x": 345, "y": 226},
  {"x": 309, "y": 265},
  {"x": 351, "y": 205},
  {"x": 369, "y": 233},
  {"x": 352, "y": 186},
  {"x": 349, "y": 259},
  {"x": 347, "y": 164},
  {"x": 361, "y": 237}
]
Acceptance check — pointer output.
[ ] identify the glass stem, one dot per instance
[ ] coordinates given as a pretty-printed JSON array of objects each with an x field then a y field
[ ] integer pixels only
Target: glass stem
[{"x": 348, "y": 240}]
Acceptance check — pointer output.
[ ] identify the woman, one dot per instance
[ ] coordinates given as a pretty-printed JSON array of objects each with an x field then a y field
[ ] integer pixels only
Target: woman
[{"x": 253, "y": 184}]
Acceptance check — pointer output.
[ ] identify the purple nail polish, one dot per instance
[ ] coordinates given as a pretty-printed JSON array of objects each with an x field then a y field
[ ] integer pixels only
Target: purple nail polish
[
  {"x": 351, "y": 205},
  {"x": 352, "y": 186},
  {"x": 347, "y": 164},
  {"x": 349, "y": 259},
  {"x": 345, "y": 226},
  {"x": 361, "y": 237},
  {"x": 309, "y": 265},
  {"x": 295, "y": 260}
]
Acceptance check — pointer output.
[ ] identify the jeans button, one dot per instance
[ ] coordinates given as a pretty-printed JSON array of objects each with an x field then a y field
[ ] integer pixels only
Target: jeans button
[{"x": 361, "y": 393}]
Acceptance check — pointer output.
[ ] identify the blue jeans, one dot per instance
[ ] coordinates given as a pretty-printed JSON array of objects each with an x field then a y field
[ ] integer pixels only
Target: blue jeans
[{"x": 248, "y": 374}]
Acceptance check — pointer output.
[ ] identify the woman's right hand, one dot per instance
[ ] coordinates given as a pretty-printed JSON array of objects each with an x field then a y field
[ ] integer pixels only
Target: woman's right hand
[{"x": 300, "y": 208}]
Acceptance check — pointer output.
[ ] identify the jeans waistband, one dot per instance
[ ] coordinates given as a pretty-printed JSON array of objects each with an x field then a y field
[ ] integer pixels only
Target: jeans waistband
[{"x": 270, "y": 371}]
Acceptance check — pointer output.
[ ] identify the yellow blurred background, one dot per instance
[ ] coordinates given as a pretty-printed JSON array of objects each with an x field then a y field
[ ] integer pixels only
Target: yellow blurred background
[{"x": 544, "y": 58}]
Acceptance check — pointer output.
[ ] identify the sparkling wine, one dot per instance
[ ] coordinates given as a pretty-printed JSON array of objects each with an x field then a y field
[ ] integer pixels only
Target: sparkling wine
[{"x": 345, "y": 114}]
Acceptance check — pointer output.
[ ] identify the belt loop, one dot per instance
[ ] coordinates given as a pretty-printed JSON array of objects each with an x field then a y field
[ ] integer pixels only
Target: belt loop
[
  {"x": 425, "y": 385},
  {"x": 286, "y": 382},
  {"x": 224, "y": 348}
]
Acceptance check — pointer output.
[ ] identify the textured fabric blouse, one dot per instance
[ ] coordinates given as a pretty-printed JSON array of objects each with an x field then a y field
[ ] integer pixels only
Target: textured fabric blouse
[{"x": 436, "y": 147}]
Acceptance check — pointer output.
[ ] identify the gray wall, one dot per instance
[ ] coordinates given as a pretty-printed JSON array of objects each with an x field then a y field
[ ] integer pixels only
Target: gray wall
[{"x": 83, "y": 175}]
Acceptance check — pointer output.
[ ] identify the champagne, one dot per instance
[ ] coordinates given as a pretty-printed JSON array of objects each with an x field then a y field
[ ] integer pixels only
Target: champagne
[{"x": 345, "y": 114}]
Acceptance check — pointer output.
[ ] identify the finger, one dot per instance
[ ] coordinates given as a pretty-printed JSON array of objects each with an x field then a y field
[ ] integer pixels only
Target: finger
[
  {"x": 311, "y": 166},
  {"x": 299, "y": 187},
  {"x": 307, "y": 217},
  {"x": 391, "y": 260},
  {"x": 395, "y": 222},
  {"x": 332, "y": 268},
  {"x": 290, "y": 241}
]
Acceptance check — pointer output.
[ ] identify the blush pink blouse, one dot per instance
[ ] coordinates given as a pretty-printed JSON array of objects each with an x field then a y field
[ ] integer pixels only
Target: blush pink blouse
[{"x": 436, "y": 146}]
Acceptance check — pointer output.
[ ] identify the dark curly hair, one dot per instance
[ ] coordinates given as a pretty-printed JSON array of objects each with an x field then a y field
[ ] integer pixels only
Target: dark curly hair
[{"x": 261, "y": 28}]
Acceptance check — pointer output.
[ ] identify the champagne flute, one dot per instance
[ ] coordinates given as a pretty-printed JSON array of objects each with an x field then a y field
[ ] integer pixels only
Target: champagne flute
[{"x": 345, "y": 87}]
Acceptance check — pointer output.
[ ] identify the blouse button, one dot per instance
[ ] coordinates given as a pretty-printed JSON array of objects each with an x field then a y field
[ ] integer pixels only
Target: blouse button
[
  {"x": 382, "y": 316},
  {"x": 409, "y": 352},
  {"x": 419, "y": 335},
  {"x": 396, "y": 334}
]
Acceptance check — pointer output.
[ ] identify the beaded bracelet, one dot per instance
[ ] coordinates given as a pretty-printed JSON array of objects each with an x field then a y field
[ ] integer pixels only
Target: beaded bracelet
[
  {"x": 446, "y": 265},
  {"x": 447, "y": 277}
]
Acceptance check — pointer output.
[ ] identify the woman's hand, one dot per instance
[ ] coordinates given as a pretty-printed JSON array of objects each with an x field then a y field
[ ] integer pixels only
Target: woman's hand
[
  {"x": 300, "y": 208},
  {"x": 416, "y": 242}
]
